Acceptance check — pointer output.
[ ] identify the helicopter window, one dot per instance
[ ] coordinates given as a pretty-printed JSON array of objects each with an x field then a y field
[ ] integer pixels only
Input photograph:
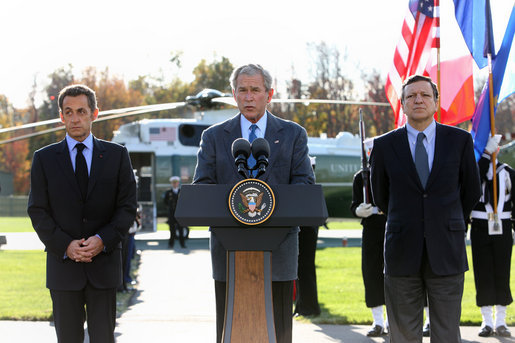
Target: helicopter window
[{"x": 189, "y": 135}]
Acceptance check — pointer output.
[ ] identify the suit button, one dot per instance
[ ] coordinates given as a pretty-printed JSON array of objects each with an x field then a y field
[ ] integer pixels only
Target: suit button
[
  {"x": 84, "y": 220},
  {"x": 425, "y": 195}
]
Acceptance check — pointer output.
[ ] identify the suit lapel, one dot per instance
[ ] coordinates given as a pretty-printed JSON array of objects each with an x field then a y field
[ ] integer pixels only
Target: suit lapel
[
  {"x": 274, "y": 136},
  {"x": 440, "y": 144},
  {"x": 98, "y": 160},
  {"x": 403, "y": 151},
  {"x": 65, "y": 164},
  {"x": 232, "y": 132}
]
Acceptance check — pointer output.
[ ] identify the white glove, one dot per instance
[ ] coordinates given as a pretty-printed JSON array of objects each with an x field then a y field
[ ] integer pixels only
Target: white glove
[
  {"x": 493, "y": 144},
  {"x": 364, "y": 210}
]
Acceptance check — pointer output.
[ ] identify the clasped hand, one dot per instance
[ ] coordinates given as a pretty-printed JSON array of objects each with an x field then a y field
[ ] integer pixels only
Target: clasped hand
[
  {"x": 83, "y": 250},
  {"x": 364, "y": 210}
]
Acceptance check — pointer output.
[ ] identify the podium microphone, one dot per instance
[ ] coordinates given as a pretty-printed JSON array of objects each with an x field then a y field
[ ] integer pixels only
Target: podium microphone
[
  {"x": 241, "y": 151},
  {"x": 261, "y": 151}
]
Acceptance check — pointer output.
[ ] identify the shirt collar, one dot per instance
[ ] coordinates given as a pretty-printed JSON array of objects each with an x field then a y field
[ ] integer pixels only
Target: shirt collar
[
  {"x": 245, "y": 124},
  {"x": 429, "y": 131},
  {"x": 88, "y": 142}
]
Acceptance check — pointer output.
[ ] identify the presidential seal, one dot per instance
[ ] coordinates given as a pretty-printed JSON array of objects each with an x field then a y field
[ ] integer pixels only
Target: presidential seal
[{"x": 251, "y": 201}]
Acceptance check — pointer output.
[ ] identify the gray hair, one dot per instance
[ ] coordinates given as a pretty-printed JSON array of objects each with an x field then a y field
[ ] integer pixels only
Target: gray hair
[{"x": 251, "y": 69}]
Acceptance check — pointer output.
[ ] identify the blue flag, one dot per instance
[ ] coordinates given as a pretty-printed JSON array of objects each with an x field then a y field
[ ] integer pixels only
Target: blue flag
[
  {"x": 504, "y": 85},
  {"x": 471, "y": 16}
]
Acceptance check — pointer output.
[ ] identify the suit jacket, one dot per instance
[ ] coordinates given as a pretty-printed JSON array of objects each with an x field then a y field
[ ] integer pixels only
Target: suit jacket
[
  {"x": 433, "y": 217},
  {"x": 59, "y": 215},
  {"x": 288, "y": 164}
]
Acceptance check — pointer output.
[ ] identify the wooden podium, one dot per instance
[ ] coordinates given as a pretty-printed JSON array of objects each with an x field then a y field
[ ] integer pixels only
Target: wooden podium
[{"x": 249, "y": 315}]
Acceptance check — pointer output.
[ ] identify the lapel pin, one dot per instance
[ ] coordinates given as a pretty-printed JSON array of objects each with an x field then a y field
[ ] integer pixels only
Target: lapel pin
[{"x": 277, "y": 141}]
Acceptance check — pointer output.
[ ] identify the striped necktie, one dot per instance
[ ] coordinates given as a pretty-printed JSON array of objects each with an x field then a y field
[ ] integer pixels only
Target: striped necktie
[{"x": 251, "y": 161}]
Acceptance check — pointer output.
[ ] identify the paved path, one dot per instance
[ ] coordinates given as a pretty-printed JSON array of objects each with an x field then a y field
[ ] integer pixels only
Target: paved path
[{"x": 175, "y": 299}]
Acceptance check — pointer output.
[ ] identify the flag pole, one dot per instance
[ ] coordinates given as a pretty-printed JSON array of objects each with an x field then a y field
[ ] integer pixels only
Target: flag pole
[
  {"x": 490, "y": 50},
  {"x": 437, "y": 44},
  {"x": 492, "y": 130}
]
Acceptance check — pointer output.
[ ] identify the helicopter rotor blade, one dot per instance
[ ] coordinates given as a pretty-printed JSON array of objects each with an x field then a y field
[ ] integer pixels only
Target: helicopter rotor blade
[
  {"x": 127, "y": 111},
  {"x": 114, "y": 115},
  {"x": 231, "y": 101}
]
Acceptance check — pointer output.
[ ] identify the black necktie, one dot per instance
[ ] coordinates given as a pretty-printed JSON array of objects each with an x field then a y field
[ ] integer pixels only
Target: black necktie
[
  {"x": 421, "y": 162},
  {"x": 81, "y": 170}
]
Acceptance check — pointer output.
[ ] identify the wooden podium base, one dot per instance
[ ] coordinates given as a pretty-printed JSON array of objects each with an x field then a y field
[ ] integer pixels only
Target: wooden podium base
[{"x": 247, "y": 317}]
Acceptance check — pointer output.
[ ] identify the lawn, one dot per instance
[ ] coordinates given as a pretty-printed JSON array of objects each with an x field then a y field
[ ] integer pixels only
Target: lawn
[
  {"x": 23, "y": 224},
  {"x": 340, "y": 285},
  {"x": 15, "y": 224},
  {"x": 23, "y": 295},
  {"x": 341, "y": 292}
]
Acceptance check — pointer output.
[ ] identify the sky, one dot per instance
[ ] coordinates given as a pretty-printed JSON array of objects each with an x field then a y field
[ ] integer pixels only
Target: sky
[{"x": 134, "y": 38}]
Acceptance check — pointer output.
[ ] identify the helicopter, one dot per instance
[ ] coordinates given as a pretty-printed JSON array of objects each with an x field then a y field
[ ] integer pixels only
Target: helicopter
[{"x": 160, "y": 148}]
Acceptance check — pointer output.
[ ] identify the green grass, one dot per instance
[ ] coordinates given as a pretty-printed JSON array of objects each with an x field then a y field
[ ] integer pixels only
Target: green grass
[
  {"x": 340, "y": 285},
  {"x": 15, "y": 224},
  {"x": 23, "y": 295},
  {"x": 341, "y": 292},
  {"x": 23, "y": 224}
]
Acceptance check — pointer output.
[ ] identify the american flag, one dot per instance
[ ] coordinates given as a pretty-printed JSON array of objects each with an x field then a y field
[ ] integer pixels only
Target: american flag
[
  {"x": 413, "y": 54},
  {"x": 162, "y": 134}
]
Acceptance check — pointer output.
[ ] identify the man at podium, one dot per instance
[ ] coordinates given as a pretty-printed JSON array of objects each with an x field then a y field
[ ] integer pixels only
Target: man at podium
[{"x": 288, "y": 164}]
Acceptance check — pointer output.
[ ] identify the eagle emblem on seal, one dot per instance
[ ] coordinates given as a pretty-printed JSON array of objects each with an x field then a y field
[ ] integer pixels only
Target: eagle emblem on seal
[{"x": 252, "y": 201}]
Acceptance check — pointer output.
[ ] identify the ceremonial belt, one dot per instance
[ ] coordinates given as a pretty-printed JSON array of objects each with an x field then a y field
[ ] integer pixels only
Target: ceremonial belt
[{"x": 484, "y": 215}]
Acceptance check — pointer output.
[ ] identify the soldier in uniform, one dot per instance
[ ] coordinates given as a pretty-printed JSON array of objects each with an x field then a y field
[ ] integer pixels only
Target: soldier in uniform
[
  {"x": 492, "y": 244},
  {"x": 373, "y": 223},
  {"x": 170, "y": 198}
]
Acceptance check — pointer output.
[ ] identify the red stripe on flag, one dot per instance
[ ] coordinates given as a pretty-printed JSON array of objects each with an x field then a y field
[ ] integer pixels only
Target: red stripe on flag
[{"x": 419, "y": 40}]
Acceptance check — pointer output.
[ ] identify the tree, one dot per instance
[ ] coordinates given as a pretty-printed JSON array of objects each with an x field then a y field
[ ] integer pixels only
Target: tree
[
  {"x": 382, "y": 118},
  {"x": 214, "y": 75},
  {"x": 59, "y": 79},
  {"x": 112, "y": 93},
  {"x": 13, "y": 156},
  {"x": 330, "y": 83}
]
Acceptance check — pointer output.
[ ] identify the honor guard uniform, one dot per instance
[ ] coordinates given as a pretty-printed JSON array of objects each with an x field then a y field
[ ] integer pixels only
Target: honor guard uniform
[
  {"x": 372, "y": 262},
  {"x": 492, "y": 243}
]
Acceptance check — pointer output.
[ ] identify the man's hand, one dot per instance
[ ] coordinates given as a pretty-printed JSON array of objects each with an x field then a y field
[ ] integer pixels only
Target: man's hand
[
  {"x": 364, "y": 210},
  {"x": 76, "y": 251},
  {"x": 83, "y": 250},
  {"x": 493, "y": 144},
  {"x": 93, "y": 245}
]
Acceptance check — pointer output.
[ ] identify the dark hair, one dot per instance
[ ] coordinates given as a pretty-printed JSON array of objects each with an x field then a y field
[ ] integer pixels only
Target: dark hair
[
  {"x": 251, "y": 69},
  {"x": 416, "y": 78},
  {"x": 76, "y": 90}
]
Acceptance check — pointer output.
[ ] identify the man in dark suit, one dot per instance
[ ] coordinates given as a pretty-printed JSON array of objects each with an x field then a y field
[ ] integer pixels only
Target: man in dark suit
[
  {"x": 82, "y": 202},
  {"x": 425, "y": 179},
  {"x": 288, "y": 164}
]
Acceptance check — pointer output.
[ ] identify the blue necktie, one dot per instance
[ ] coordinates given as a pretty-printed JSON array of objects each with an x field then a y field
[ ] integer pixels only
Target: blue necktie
[
  {"x": 421, "y": 162},
  {"x": 81, "y": 170},
  {"x": 251, "y": 161}
]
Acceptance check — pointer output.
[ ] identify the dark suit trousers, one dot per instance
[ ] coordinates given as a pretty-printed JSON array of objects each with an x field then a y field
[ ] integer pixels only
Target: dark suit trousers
[
  {"x": 404, "y": 297},
  {"x": 282, "y": 294},
  {"x": 72, "y": 308},
  {"x": 306, "y": 285}
]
